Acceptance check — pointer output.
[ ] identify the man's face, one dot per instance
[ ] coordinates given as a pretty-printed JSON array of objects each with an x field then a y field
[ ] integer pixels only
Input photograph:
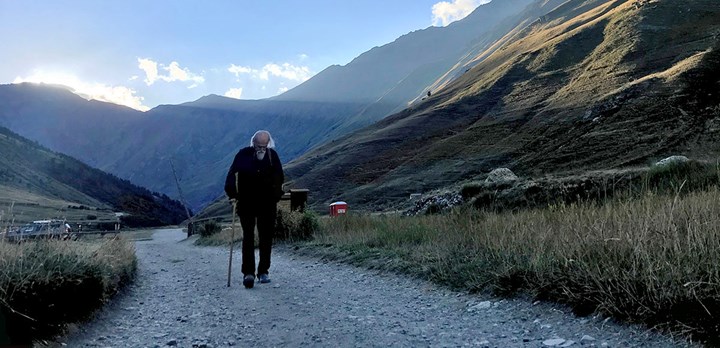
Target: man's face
[{"x": 260, "y": 144}]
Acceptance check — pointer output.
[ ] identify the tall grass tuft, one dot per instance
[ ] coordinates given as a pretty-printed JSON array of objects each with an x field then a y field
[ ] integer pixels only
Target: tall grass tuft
[
  {"x": 294, "y": 225},
  {"x": 45, "y": 285},
  {"x": 221, "y": 238},
  {"x": 653, "y": 260},
  {"x": 209, "y": 228},
  {"x": 690, "y": 176}
]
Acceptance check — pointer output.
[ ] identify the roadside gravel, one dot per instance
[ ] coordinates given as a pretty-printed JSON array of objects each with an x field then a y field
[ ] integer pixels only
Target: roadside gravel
[{"x": 180, "y": 299}]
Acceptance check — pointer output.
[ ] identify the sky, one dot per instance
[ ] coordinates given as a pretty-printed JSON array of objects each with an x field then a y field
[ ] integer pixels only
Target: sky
[{"x": 143, "y": 53}]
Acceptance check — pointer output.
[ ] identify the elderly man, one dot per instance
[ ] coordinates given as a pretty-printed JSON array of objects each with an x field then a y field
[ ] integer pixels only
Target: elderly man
[{"x": 255, "y": 181}]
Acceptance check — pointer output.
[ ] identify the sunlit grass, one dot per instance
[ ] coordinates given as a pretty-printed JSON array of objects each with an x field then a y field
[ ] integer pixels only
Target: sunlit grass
[
  {"x": 654, "y": 260},
  {"x": 47, "y": 284}
]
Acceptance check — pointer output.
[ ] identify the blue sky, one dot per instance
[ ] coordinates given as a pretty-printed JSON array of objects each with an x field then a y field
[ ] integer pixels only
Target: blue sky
[{"x": 146, "y": 53}]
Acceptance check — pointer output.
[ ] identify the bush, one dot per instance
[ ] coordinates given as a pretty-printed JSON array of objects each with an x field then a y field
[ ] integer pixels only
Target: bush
[
  {"x": 690, "y": 176},
  {"x": 91, "y": 217},
  {"x": 209, "y": 228},
  {"x": 471, "y": 190},
  {"x": 433, "y": 208},
  {"x": 45, "y": 285},
  {"x": 294, "y": 226}
]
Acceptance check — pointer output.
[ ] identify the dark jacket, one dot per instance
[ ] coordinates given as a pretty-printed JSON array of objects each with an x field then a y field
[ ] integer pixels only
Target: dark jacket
[{"x": 259, "y": 181}]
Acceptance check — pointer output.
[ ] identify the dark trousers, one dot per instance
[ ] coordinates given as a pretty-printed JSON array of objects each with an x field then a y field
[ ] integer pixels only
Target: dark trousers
[{"x": 264, "y": 215}]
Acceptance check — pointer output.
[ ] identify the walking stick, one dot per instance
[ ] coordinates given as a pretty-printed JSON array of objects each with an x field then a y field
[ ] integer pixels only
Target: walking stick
[{"x": 232, "y": 234}]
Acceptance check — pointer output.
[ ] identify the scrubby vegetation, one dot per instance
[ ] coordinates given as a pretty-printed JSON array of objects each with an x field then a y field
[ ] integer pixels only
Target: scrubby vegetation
[
  {"x": 289, "y": 226},
  {"x": 209, "y": 228},
  {"x": 295, "y": 226},
  {"x": 651, "y": 257},
  {"x": 678, "y": 177},
  {"x": 45, "y": 285}
]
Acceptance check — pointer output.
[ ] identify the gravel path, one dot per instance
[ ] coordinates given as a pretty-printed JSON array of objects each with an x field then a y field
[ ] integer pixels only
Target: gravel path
[{"x": 181, "y": 299}]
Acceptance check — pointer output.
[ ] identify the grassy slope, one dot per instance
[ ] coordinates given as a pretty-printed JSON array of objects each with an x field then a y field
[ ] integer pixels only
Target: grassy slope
[
  {"x": 55, "y": 182},
  {"x": 589, "y": 86},
  {"x": 654, "y": 260}
]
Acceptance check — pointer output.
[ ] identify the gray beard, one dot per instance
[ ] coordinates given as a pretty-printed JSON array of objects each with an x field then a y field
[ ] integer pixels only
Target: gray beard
[{"x": 260, "y": 155}]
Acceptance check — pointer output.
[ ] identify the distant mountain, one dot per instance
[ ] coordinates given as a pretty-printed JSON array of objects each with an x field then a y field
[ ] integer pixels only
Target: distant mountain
[
  {"x": 586, "y": 85},
  {"x": 387, "y": 79},
  {"x": 34, "y": 176},
  {"x": 201, "y": 137},
  {"x": 65, "y": 122}
]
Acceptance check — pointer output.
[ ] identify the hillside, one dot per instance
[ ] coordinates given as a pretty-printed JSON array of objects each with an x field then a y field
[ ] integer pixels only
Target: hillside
[
  {"x": 386, "y": 79},
  {"x": 202, "y": 136},
  {"x": 589, "y": 85},
  {"x": 64, "y": 122},
  {"x": 36, "y": 183}
]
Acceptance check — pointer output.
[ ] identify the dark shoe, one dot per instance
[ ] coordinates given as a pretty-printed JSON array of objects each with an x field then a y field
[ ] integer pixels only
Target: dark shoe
[
  {"x": 264, "y": 279},
  {"x": 249, "y": 281}
]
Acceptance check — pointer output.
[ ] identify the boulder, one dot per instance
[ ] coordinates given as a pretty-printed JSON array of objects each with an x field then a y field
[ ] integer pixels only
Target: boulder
[
  {"x": 672, "y": 160},
  {"x": 500, "y": 175}
]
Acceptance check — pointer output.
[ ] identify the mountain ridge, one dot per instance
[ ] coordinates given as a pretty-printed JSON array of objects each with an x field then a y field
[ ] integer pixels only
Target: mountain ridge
[
  {"x": 32, "y": 173},
  {"x": 203, "y": 135},
  {"x": 535, "y": 102}
]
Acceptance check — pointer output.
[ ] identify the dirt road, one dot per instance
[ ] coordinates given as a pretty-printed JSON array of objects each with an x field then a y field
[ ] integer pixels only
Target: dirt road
[{"x": 181, "y": 299}]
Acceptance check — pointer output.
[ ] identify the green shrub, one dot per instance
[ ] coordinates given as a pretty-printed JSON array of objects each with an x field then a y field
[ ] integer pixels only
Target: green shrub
[
  {"x": 308, "y": 225},
  {"x": 294, "y": 226},
  {"x": 91, "y": 217},
  {"x": 433, "y": 208},
  {"x": 222, "y": 237},
  {"x": 209, "y": 228},
  {"x": 471, "y": 190}
]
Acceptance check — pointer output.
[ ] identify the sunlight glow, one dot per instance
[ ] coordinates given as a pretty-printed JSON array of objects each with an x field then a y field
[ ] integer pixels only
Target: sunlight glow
[
  {"x": 234, "y": 93},
  {"x": 445, "y": 12},
  {"x": 89, "y": 90}
]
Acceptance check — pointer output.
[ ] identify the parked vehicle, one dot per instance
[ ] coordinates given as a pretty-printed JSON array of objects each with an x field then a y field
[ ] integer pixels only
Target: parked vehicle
[{"x": 42, "y": 229}]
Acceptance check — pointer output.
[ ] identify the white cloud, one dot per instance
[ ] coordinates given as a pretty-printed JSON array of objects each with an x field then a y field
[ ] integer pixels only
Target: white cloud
[
  {"x": 174, "y": 73},
  {"x": 133, "y": 78},
  {"x": 282, "y": 90},
  {"x": 285, "y": 71},
  {"x": 303, "y": 56},
  {"x": 90, "y": 90},
  {"x": 237, "y": 70},
  {"x": 445, "y": 12},
  {"x": 234, "y": 93},
  {"x": 150, "y": 68}
]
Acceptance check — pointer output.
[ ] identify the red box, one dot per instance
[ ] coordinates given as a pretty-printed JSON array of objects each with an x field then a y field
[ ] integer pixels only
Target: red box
[{"x": 338, "y": 208}]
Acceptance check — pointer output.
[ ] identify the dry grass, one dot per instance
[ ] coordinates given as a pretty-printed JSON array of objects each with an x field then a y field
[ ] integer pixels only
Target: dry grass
[
  {"x": 223, "y": 237},
  {"x": 289, "y": 226},
  {"x": 45, "y": 285},
  {"x": 654, "y": 260}
]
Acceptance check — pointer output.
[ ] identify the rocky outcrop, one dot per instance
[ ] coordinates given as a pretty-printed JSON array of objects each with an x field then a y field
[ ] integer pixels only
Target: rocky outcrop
[
  {"x": 672, "y": 160},
  {"x": 500, "y": 175}
]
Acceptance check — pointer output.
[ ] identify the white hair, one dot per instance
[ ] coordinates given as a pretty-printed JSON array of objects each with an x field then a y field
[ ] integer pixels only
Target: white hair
[{"x": 271, "y": 142}]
